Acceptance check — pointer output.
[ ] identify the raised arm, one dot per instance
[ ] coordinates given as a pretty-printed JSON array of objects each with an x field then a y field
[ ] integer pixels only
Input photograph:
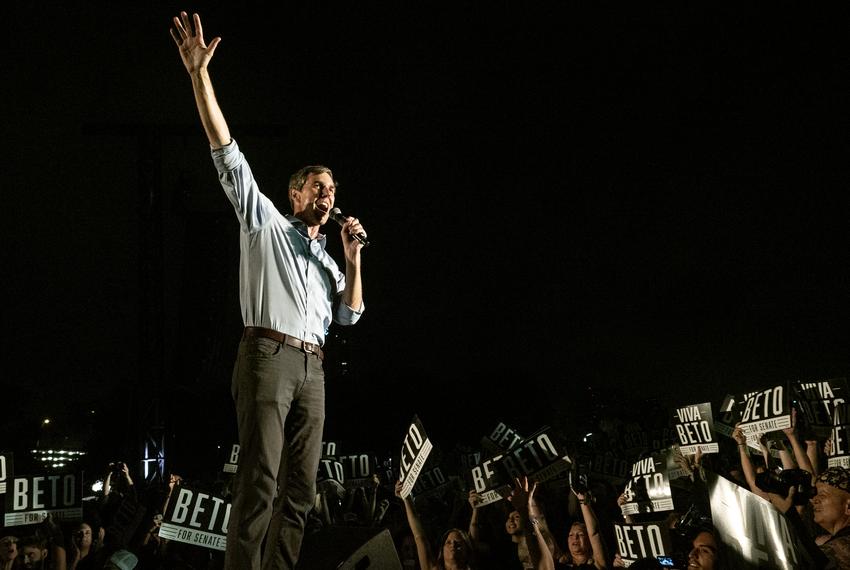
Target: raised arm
[
  {"x": 800, "y": 455},
  {"x": 746, "y": 464},
  {"x": 812, "y": 453},
  {"x": 196, "y": 55},
  {"x": 423, "y": 549},
  {"x": 547, "y": 555},
  {"x": 474, "y": 530},
  {"x": 591, "y": 523},
  {"x": 520, "y": 497}
]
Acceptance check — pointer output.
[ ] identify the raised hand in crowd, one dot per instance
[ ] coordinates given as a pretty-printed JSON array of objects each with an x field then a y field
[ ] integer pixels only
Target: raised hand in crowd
[
  {"x": 746, "y": 463},
  {"x": 801, "y": 456},
  {"x": 540, "y": 547},
  {"x": 622, "y": 499},
  {"x": 456, "y": 550},
  {"x": 812, "y": 453},
  {"x": 683, "y": 462},
  {"x": 585, "y": 544},
  {"x": 117, "y": 479},
  {"x": 474, "y": 529}
]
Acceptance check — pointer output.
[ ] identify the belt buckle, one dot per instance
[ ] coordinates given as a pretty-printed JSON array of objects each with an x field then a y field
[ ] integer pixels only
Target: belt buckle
[{"x": 307, "y": 347}]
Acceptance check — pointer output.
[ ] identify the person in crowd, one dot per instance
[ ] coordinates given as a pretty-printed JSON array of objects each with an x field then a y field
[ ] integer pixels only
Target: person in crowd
[
  {"x": 831, "y": 508},
  {"x": 33, "y": 550},
  {"x": 84, "y": 545},
  {"x": 455, "y": 552},
  {"x": 119, "y": 493},
  {"x": 585, "y": 546},
  {"x": 8, "y": 552},
  {"x": 704, "y": 552},
  {"x": 291, "y": 290},
  {"x": 802, "y": 458},
  {"x": 539, "y": 545},
  {"x": 151, "y": 542},
  {"x": 121, "y": 560},
  {"x": 525, "y": 525},
  {"x": 747, "y": 467},
  {"x": 118, "y": 480}
]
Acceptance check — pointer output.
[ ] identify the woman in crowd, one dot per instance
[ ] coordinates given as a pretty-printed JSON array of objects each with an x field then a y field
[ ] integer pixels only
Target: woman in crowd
[
  {"x": 84, "y": 545},
  {"x": 8, "y": 552},
  {"x": 455, "y": 547},
  {"x": 585, "y": 547}
]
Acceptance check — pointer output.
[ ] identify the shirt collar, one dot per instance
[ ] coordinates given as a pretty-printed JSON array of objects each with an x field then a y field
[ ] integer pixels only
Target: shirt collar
[{"x": 302, "y": 228}]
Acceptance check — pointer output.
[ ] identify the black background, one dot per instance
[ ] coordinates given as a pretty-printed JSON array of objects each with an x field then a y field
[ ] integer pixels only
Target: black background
[{"x": 571, "y": 205}]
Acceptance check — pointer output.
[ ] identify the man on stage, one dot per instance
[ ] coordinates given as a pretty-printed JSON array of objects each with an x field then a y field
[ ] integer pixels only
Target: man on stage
[{"x": 290, "y": 290}]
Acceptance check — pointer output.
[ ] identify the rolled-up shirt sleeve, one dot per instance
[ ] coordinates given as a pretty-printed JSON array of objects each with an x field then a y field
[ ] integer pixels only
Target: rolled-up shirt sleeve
[
  {"x": 345, "y": 315},
  {"x": 253, "y": 208}
]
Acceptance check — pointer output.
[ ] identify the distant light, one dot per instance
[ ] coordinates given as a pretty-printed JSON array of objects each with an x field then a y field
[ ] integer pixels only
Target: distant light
[
  {"x": 587, "y": 436},
  {"x": 97, "y": 486},
  {"x": 45, "y": 421}
]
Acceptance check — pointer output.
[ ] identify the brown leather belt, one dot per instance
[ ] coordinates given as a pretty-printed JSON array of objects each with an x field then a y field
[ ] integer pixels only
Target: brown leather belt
[{"x": 303, "y": 346}]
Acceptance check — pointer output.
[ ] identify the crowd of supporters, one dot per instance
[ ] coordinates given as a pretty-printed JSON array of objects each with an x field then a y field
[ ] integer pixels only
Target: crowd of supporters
[{"x": 569, "y": 519}]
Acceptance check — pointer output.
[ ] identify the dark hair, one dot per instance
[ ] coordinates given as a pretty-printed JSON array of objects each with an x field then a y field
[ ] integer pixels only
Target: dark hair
[
  {"x": 33, "y": 540},
  {"x": 466, "y": 542},
  {"x": 298, "y": 179}
]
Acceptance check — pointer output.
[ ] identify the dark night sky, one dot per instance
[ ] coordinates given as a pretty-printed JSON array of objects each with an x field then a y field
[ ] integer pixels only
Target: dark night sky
[{"x": 650, "y": 201}]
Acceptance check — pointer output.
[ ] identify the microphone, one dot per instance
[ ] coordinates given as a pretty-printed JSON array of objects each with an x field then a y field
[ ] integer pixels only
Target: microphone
[{"x": 336, "y": 214}]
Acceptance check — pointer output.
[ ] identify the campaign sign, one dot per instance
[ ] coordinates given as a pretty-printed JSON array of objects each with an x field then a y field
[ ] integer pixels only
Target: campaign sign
[
  {"x": 501, "y": 439},
  {"x": 648, "y": 490},
  {"x": 635, "y": 439},
  {"x": 536, "y": 457},
  {"x": 328, "y": 449},
  {"x": 765, "y": 411},
  {"x": 30, "y": 499},
  {"x": 695, "y": 428},
  {"x": 489, "y": 482},
  {"x": 839, "y": 455},
  {"x": 232, "y": 462},
  {"x": 838, "y": 449},
  {"x": 638, "y": 541},
  {"x": 414, "y": 453},
  {"x": 609, "y": 467},
  {"x": 7, "y": 469},
  {"x": 727, "y": 416},
  {"x": 467, "y": 458},
  {"x": 676, "y": 464},
  {"x": 196, "y": 518},
  {"x": 331, "y": 474},
  {"x": 432, "y": 482},
  {"x": 358, "y": 469},
  {"x": 753, "y": 534},
  {"x": 817, "y": 402}
]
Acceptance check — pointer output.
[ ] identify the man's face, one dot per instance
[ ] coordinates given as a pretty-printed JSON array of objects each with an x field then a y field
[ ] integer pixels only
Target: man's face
[
  {"x": 314, "y": 200},
  {"x": 704, "y": 552},
  {"x": 84, "y": 536},
  {"x": 831, "y": 506},
  {"x": 33, "y": 555}
]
